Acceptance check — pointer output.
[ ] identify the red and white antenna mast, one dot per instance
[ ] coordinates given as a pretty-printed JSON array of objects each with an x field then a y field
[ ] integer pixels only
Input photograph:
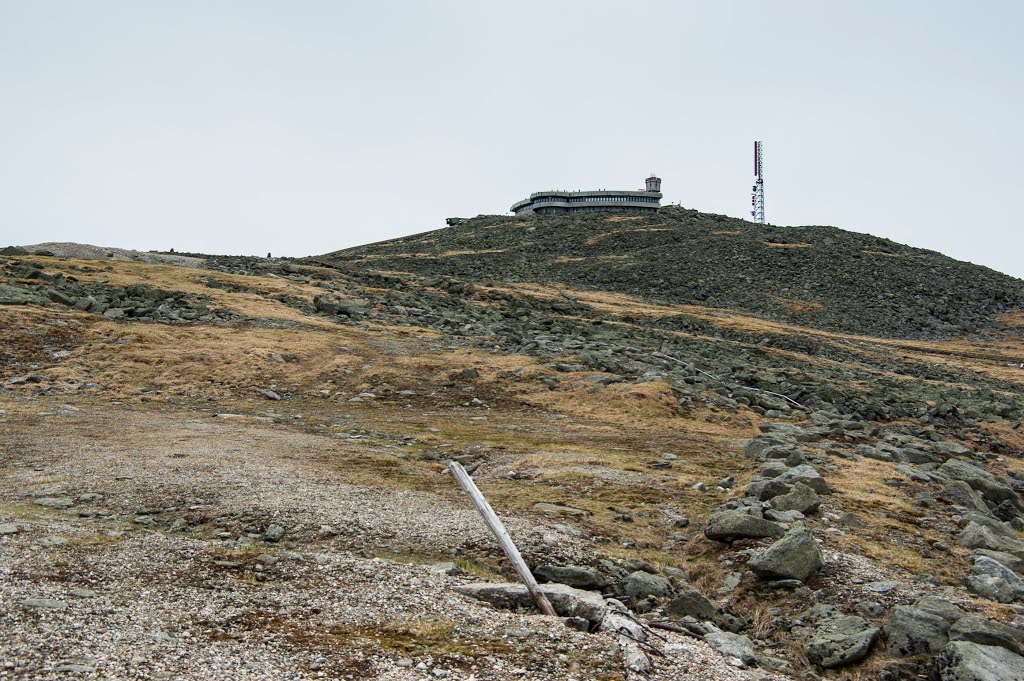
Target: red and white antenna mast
[{"x": 757, "y": 196}]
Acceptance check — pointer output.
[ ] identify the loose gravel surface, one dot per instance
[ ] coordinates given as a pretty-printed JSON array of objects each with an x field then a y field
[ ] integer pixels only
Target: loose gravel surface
[{"x": 137, "y": 544}]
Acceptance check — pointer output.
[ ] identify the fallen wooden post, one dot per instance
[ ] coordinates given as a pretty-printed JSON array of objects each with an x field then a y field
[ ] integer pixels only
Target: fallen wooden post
[{"x": 501, "y": 534}]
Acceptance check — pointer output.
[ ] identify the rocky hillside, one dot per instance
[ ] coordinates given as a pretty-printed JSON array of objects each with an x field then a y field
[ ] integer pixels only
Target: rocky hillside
[
  {"x": 822, "y": 277},
  {"x": 705, "y": 493}
]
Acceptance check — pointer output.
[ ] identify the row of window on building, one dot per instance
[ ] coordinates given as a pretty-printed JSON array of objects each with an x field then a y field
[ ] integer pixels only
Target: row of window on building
[{"x": 598, "y": 199}]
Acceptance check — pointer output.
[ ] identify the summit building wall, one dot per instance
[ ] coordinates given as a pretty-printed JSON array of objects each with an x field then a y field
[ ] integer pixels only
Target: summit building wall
[{"x": 647, "y": 200}]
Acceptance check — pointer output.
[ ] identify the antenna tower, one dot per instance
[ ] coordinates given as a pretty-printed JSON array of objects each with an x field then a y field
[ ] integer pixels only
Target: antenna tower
[{"x": 757, "y": 195}]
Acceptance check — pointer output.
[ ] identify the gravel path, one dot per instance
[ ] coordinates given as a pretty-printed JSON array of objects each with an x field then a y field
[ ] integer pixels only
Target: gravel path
[{"x": 159, "y": 565}]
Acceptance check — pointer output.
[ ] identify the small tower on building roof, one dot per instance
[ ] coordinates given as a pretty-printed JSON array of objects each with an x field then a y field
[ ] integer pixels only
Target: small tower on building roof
[{"x": 653, "y": 183}]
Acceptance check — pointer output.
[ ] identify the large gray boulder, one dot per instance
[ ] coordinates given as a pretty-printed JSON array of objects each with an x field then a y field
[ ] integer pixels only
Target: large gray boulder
[
  {"x": 998, "y": 527},
  {"x": 16, "y": 295},
  {"x": 913, "y": 631},
  {"x": 874, "y": 453},
  {"x": 54, "y": 502},
  {"x": 795, "y": 556},
  {"x": 329, "y": 304},
  {"x": 941, "y": 607},
  {"x": 730, "y": 525},
  {"x": 772, "y": 469},
  {"x": 800, "y": 498},
  {"x": 759, "y": 445},
  {"x": 1010, "y": 560},
  {"x": 841, "y": 641},
  {"x": 577, "y": 576},
  {"x": 691, "y": 603},
  {"x": 993, "y": 580},
  {"x": 732, "y": 645},
  {"x": 807, "y": 475},
  {"x": 966, "y": 661},
  {"x": 764, "y": 489},
  {"x": 640, "y": 584},
  {"x": 980, "y": 480},
  {"x": 977, "y": 629},
  {"x": 962, "y": 494},
  {"x": 976, "y": 536},
  {"x": 567, "y": 601},
  {"x": 58, "y": 296}
]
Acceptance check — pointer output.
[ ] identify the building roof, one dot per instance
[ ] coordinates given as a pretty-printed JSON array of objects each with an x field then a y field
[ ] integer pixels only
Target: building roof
[{"x": 596, "y": 195}]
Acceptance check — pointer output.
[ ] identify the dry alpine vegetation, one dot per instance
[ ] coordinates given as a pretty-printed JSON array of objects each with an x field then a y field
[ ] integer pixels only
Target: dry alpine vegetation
[{"x": 234, "y": 468}]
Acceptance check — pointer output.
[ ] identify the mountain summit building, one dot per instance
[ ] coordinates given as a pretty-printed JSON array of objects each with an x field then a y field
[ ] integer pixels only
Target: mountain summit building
[{"x": 647, "y": 200}]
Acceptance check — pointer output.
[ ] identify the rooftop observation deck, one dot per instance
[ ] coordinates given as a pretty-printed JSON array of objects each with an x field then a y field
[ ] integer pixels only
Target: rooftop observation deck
[{"x": 557, "y": 201}]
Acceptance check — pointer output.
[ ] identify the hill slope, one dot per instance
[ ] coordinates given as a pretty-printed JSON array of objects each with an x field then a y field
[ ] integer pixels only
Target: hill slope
[
  {"x": 822, "y": 277},
  {"x": 248, "y": 456}
]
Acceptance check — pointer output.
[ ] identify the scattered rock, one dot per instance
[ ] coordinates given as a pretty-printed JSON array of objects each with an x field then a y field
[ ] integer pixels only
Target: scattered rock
[
  {"x": 993, "y": 580},
  {"x": 939, "y": 606},
  {"x": 1014, "y": 562},
  {"x": 730, "y": 582},
  {"x": 446, "y": 568},
  {"x": 841, "y": 641},
  {"x": 640, "y": 584},
  {"x": 977, "y": 629},
  {"x": 979, "y": 480},
  {"x": 807, "y": 475},
  {"x": 976, "y": 536},
  {"x": 577, "y": 623},
  {"x": 269, "y": 394},
  {"x": 732, "y": 645},
  {"x": 337, "y": 306},
  {"x": 82, "y": 665},
  {"x": 567, "y": 601},
  {"x": 731, "y": 525},
  {"x": 691, "y": 603},
  {"x": 559, "y": 509},
  {"x": 800, "y": 498},
  {"x": 274, "y": 533},
  {"x": 577, "y": 576},
  {"x": 54, "y": 502},
  {"x": 16, "y": 295},
  {"x": 967, "y": 661},
  {"x": 53, "y": 541},
  {"x": 795, "y": 556},
  {"x": 44, "y": 604},
  {"x": 913, "y": 631}
]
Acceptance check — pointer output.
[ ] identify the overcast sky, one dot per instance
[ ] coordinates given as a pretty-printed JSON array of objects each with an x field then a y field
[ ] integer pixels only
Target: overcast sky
[{"x": 302, "y": 127}]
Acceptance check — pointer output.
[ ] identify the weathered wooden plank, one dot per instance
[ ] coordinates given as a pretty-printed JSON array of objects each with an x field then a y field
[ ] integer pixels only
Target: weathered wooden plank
[{"x": 501, "y": 534}]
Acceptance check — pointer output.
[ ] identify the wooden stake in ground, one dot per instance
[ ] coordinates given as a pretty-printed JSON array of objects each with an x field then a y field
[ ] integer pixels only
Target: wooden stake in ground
[{"x": 501, "y": 534}]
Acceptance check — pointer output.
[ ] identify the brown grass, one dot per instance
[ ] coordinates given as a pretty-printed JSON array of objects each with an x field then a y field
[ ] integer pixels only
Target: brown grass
[
  {"x": 598, "y": 238},
  {"x": 1013, "y": 318},
  {"x": 773, "y": 244},
  {"x": 448, "y": 254},
  {"x": 187, "y": 280},
  {"x": 894, "y": 536}
]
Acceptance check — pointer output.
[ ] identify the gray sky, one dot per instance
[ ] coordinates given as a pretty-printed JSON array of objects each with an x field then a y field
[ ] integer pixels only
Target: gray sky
[{"x": 302, "y": 127}]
